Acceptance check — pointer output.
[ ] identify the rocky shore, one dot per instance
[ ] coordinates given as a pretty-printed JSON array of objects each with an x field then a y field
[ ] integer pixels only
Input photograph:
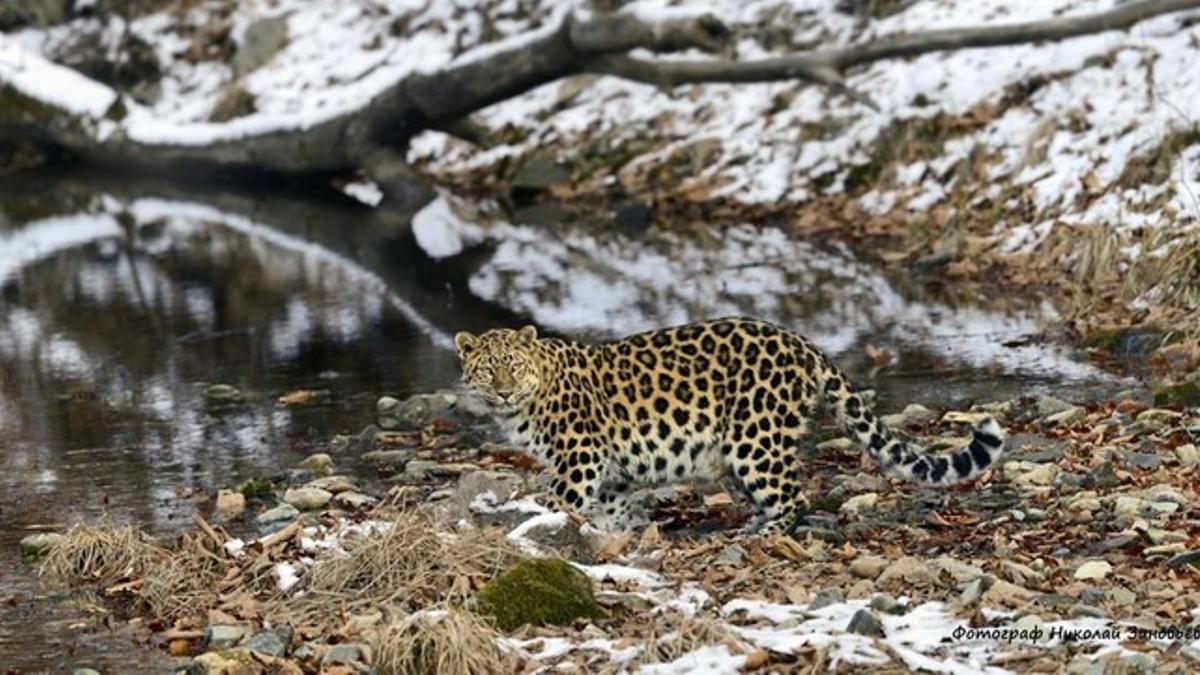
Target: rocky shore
[{"x": 1081, "y": 544}]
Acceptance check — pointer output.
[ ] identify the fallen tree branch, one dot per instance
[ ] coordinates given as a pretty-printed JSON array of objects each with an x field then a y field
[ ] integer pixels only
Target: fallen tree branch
[
  {"x": 375, "y": 137},
  {"x": 825, "y": 67}
]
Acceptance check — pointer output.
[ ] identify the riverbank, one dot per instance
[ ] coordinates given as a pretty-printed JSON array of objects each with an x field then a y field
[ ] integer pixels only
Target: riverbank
[{"x": 1085, "y": 535}]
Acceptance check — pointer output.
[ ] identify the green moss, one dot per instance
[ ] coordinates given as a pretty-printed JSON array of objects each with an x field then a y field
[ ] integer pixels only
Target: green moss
[
  {"x": 1129, "y": 341},
  {"x": 257, "y": 488},
  {"x": 541, "y": 591},
  {"x": 826, "y": 503},
  {"x": 1184, "y": 394}
]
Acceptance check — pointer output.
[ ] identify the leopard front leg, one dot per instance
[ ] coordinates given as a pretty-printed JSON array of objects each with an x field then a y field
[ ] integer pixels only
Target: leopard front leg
[{"x": 585, "y": 482}]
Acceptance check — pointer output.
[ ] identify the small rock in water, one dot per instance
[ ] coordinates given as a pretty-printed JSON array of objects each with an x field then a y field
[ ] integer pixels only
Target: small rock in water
[
  {"x": 278, "y": 515},
  {"x": 1093, "y": 569},
  {"x": 307, "y": 499},
  {"x": 864, "y": 622},
  {"x": 222, "y": 395},
  {"x": 319, "y": 463},
  {"x": 229, "y": 504},
  {"x": 38, "y": 545},
  {"x": 85, "y": 671},
  {"x": 387, "y": 406},
  {"x": 826, "y": 597}
]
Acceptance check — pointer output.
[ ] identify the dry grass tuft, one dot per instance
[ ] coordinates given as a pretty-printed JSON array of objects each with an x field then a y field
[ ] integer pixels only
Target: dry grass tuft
[
  {"x": 449, "y": 642},
  {"x": 673, "y": 635},
  {"x": 1181, "y": 273},
  {"x": 411, "y": 564},
  {"x": 184, "y": 582},
  {"x": 102, "y": 550}
]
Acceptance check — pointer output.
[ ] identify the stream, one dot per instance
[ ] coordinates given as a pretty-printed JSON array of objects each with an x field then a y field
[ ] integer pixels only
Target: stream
[{"x": 120, "y": 303}]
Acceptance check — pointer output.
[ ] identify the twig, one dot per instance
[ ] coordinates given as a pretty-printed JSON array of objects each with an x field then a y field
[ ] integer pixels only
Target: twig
[
  {"x": 209, "y": 531},
  {"x": 281, "y": 536}
]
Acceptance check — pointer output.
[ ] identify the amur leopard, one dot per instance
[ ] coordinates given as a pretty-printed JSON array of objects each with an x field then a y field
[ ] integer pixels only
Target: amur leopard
[{"x": 731, "y": 396}]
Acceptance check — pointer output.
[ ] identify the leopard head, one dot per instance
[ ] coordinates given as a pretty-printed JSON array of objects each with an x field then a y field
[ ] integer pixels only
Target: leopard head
[{"x": 501, "y": 365}]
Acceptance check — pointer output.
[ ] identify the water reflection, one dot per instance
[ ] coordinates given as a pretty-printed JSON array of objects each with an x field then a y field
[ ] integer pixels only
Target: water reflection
[{"x": 122, "y": 301}]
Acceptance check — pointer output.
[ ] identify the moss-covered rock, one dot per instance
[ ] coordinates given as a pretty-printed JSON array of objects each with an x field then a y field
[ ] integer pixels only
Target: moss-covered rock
[
  {"x": 257, "y": 488},
  {"x": 1130, "y": 341},
  {"x": 541, "y": 591},
  {"x": 1184, "y": 394}
]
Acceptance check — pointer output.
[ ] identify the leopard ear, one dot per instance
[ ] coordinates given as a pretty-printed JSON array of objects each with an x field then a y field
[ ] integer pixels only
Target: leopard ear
[
  {"x": 464, "y": 342},
  {"x": 527, "y": 334}
]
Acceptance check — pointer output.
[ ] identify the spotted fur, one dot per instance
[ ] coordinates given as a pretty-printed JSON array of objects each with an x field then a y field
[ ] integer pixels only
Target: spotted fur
[{"x": 696, "y": 402}]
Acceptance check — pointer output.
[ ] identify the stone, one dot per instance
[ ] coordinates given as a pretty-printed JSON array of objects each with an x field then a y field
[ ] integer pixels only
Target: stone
[
  {"x": 961, "y": 417},
  {"x": 262, "y": 40},
  {"x": 867, "y": 566},
  {"x": 1092, "y": 595},
  {"x": 387, "y": 406},
  {"x": 1021, "y": 574},
  {"x": 223, "y": 636},
  {"x": 839, "y": 444},
  {"x": 1142, "y": 460},
  {"x": 960, "y": 571},
  {"x": 321, "y": 464},
  {"x": 216, "y": 663},
  {"x": 307, "y": 499},
  {"x": 1121, "y": 596},
  {"x": 229, "y": 504},
  {"x": 1093, "y": 569},
  {"x": 502, "y": 485},
  {"x": 1163, "y": 493},
  {"x": 347, "y": 654},
  {"x": 1041, "y": 474},
  {"x": 1082, "y": 611},
  {"x": 278, "y": 515},
  {"x": 913, "y": 414},
  {"x": 634, "y": 602},
  {"x": 1049, "y": 405},
  {"x": 886, "y": 604},
  {"x": 826, "y": 597},
  {"x": 907, "y": 571},
  {"x": 1001, "y": 592},
  {"x": 538, "y": 591},
  {"x": 859, "y": 503},
  {"x": 334, "y": 484},
  {"x": 393, "y": 459},
  {"x": 1128, "y": 507},
  {"x": 1160, "y": 416},
  {"x": 273, "y": 642},
  {"x": 864, "y": 622},
  {"x": 418, "y": 411},
  {"x": 85, "y": 671},
  {"x": 217, "y": 394},
  {"x": 355, "y": 501},
  {"x": 540, "y": 172},
  {"x": 1187, "y": 455},
  {"x": 1065, "y": 418},
  {"x": 38, "y": 545}
]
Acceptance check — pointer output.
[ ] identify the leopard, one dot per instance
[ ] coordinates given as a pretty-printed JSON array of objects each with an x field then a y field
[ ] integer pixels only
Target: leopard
[{"x": 731, "y": 397}]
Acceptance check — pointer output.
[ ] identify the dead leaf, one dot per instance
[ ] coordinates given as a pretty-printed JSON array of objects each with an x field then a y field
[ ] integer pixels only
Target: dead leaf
[{"x": 297, "y": 397}]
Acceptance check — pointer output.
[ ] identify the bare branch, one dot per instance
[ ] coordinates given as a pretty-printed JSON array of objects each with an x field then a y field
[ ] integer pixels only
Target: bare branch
[
  {"x": 821, "y": 66},
  {"x": 621, "y": 32}
]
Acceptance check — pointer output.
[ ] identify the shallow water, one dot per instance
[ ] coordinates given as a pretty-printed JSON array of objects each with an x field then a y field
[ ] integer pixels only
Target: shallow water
[{"x": 121, "y": 302}]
